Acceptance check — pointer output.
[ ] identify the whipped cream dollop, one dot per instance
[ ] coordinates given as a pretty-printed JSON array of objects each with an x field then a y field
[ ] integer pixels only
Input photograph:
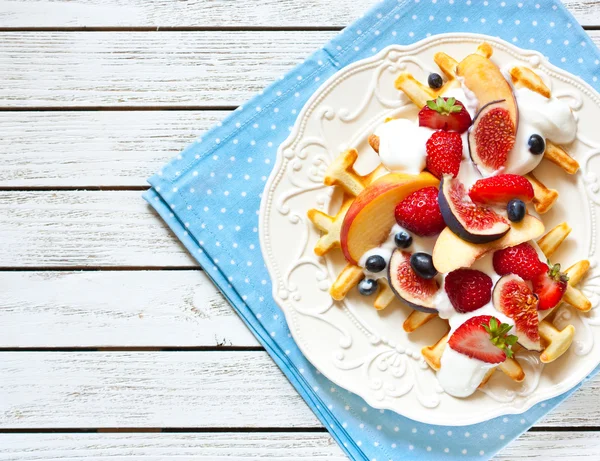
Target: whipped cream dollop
[
  {"x": 402, "y": 145},
  {"x": 551, "y": 118}
]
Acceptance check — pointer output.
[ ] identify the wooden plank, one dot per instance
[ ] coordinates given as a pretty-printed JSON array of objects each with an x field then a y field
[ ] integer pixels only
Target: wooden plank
[
  {"x": 87, "y": 149},
  {"x": 239, "y": 446},
  {"x": 230, "y": 446},
  {"x": 117, "y": 309},
  {"x": 243, "y": 13},
  {"x": 85, "y": 228},
  {"x": 147, "y": 389},
  {"x": 58, "y": 69},
  {"x": 176, "y": 389}
]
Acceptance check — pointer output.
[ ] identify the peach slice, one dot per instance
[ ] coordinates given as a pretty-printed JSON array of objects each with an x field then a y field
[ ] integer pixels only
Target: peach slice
[
  {"x": 451, "y": 252},
  {"x": 483, "y": 78},
  {"x": 371, "y": 216}
]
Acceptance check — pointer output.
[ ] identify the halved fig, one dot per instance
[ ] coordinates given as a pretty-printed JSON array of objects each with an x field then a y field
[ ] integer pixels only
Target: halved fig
[
  {"x": 513, "y": 297},
  {"x": 471, "y": 222},
  {"x": 492, "y": 136},
  {"x": 417, "y": 292}
]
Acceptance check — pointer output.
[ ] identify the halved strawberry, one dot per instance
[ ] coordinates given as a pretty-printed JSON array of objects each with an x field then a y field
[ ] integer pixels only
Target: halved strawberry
[
  {"x": 501, "y": 189},
  {"x": 484, "y": 338},
  {"x": 514, "y": 298},
  {"x": 521, "y": 260},
  {"x": 550, "y": 287},
  {"x": 445, "y": 114}
]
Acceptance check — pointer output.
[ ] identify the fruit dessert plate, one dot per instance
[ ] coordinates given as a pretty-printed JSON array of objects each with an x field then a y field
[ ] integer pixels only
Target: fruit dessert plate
[{"x": 415, "y": 229}]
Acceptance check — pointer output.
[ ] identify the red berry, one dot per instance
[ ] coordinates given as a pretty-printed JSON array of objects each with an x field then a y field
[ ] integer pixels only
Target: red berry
[
  {"x": 468, "y": 289},
  {"x": 444, "y": 153},
  {"x": 420, "y": 213},
  {"x": 501, "y": 189},
  {"x": 521, "y": 260},
  {"x": 474, "y": 339},
  {"x": 550, "y": 287},
  {"x": 445, "y": 114}
]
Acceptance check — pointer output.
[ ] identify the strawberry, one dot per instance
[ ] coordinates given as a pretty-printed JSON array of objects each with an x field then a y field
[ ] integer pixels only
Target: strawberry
[
  {"x": 444, "y": 153},
  {"x": 445, "y": 114},
  {"x": 550, "y": 287},
  {"x": 468, "y": 289},
  {"x": 501, "y": 189},
  {"x": 521, "y": 260},
  {"x": 484, "y": 338},
  {"x": 420, "y": 213}
]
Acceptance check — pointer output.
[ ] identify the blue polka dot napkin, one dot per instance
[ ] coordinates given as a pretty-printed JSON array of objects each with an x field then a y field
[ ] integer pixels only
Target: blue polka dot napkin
[{"x": 210, "y": 196}]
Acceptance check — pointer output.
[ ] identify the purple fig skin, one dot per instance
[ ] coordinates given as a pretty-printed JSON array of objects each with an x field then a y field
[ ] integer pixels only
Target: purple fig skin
[
  {"x": 471, "y": 142},
  {"x": 412, "y": 305},
  {"x": 454, "y": 223}
]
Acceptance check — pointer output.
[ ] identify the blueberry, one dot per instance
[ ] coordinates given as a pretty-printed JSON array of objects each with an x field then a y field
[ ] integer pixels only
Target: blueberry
[
  {"x": 516, "y": 210},
  {"x": 367, "y": 287},
  {"x": 375, "y": 263},
  {"x": 403, "y": 239},
  {"x": 537, "y": 145},
  {"x": 422, "y": 264},
  {"x": 435, "y": 81}
]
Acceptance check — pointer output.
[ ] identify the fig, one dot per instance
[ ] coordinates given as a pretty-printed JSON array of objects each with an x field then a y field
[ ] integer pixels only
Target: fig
[
  {"x": 471, "y": 222},
  {"x": 415, "y": 291},
  {"x": 492, "y": 136},
  {"x": 513, "y": 297}
]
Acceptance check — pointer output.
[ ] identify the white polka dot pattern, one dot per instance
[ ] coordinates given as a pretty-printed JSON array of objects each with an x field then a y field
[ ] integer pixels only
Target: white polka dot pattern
[{"x": 210, "y": 196}]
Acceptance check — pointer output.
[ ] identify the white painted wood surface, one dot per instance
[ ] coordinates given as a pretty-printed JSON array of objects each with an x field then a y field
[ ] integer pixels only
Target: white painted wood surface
[
  {"x": 217, "y": 13},
  {"x": 123, "y": 308},
  {"x": 209, "y": 382},
  {"x": 85, "y": 229},
  {"x": 148, "y": 68},
  {"x": 83, "y": 149},
  {"x": 235, "y": 446},
  {"x": 137, "y": 389}
]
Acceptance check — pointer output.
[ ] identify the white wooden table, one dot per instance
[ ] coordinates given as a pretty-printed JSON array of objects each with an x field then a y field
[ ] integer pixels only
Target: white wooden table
[{"x": 112, "y": 340}]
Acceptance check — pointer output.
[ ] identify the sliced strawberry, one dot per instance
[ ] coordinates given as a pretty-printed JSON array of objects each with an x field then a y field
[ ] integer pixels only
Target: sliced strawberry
[
  {"x": 501, "y": 189},
  {"x": 521, "y": 260},
  {"x": 444, "y": 153},
  {"x": 514, "y": 298},
  {"x": 445, "y": 114},
  {"x": 484, "y": 338},
  {"x": 468, "y": 289},
  {"x": 420, "y": 213},
  {"x": 550, "y": 287}
]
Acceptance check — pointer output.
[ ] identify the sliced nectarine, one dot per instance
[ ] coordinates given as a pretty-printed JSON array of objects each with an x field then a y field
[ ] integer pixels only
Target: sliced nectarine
[
  {"x": 451, "y": 252},
  {"x": 483, "y": 78},
  {"x": 371, "y": 216}
]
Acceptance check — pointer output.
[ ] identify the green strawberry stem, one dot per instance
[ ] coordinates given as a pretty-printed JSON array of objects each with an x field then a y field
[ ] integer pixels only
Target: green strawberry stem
[
  {"x": 444, "y": 107},
  {"x": 499, "y": 337}
]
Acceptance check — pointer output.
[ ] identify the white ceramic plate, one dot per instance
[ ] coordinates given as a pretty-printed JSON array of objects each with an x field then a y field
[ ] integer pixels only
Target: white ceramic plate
[{"x": 366, "y": 351}]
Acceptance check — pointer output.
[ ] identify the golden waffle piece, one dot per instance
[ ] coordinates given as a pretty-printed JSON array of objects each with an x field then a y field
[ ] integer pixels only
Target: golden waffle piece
[
  {"x": 341, "y": 173},
  {"x": 420, "y": 93},
  {"x": 330, "y": 226}
]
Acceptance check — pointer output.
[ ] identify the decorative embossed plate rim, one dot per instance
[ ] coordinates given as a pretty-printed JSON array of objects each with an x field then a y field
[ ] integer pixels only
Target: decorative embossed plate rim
[{"x": 292, "y": 224}]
